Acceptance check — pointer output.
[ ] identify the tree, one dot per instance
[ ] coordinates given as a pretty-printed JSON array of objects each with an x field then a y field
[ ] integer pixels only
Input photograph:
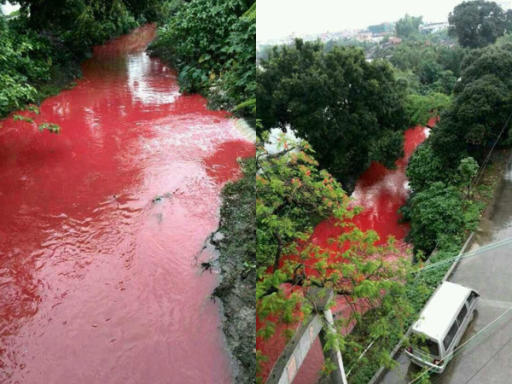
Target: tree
[
  {"x": 381, "y": 28},
  {"x": 480, "y": 108},
  {"x": 425, "y": 168},
  {"x": 435, "y": 67},
  {"x": 495, "y": 61},
  {"x": 339, "y": 102},
  {"x": 408, "y": 26},
  {"x": 420, "y": 108},
  {"x": 292, "y": 194},
  {"x": 435, "y": 212},
  {"x": 478, "y": 23},
  {"x": 468, "y": 168},
  {"x": 211, "y": 44}
]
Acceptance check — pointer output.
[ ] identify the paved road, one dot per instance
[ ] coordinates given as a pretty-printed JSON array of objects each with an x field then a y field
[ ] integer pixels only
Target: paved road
[{"x": 487, "y": 360}]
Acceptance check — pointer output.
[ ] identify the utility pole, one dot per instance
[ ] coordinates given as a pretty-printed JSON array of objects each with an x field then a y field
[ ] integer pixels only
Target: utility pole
[{"x": 320, "y": 298}]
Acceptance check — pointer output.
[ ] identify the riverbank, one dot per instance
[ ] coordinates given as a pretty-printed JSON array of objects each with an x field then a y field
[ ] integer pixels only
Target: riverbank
[
  {"x": 43, "y": 47},
  {"x": 211, "y": 45},
  {"x": 235, "y": 240}
]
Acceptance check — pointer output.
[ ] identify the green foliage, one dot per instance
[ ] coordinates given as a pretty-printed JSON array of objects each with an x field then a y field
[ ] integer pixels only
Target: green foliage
[
  {"x": 23, "y": 61},
  {"x": 381, "y": 28},
  {"x": 435, "y": 212},
  {"x": 292, "y": 194},
  {"x": 41, "y": 48},
  {"x": 26, "y": 119},
  {"x": 79, "y": 24},
  {"x": 481, "y": 105},
  {"x": 51, "y": 127},
  {"x": 408, "y": 26},
  {"x": 153, "y": 10},
  {"x": 211, "y": 44},
  {"x": 420, "y": 108},
  {"x": 428, "y": 67},
  {"x": 345, "y": 106},
  {"x": 481, "y": 109},
  {"x": 468, "y": 169},
  {"x": 425, "y": 168},
  {"x": 494, "y": 60},
  {"x": 478, "y": 23}
]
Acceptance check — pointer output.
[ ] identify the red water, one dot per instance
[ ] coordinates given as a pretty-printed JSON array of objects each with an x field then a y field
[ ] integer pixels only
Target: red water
[
  {"x": 98, "y": 283},
  {"x": 380, "y": 192}
]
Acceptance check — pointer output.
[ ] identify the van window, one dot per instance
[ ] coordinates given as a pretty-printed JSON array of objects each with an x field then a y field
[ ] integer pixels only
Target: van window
[
  {"x": 432, "y": 347},
  {"x": 462, "y": 314},
  {"x": 451, "y": 334}
]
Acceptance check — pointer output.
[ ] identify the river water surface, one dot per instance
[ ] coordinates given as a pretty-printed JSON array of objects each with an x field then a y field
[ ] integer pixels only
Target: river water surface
[{"x": 101, "y": 224}]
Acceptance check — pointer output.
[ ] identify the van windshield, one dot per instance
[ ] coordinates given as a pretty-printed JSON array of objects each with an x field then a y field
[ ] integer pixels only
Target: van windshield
[{"x": 424, "y": 345}]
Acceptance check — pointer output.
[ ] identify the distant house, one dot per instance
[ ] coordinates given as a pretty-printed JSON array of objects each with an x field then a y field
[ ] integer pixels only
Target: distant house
[
  {"x": 394, "y": 40},
  {"x": 364, "y": 36},
  {"x": 433, "y": 27}
]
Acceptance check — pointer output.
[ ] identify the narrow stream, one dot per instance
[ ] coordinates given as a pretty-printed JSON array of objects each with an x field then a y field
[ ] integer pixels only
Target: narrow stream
[{"x": 101, "y": 228}]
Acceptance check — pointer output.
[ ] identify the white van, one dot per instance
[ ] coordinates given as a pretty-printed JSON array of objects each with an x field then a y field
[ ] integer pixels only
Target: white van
[{"x": 441, "y": 325}]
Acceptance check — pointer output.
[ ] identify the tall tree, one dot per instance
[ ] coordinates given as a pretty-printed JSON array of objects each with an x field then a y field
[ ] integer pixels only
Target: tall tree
[
  {"x": 408, "y": 26},
  {"x": 480, "y": 107},
  {"x": 350, "y": 110},
  {"x": 478, "y": 23}
]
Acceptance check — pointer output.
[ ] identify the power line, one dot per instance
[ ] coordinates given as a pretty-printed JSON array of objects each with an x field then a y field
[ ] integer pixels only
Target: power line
[
  {"x": 466, "y": 255},
  {"x": 488, "y": 361},
  {"x": 484, "y": 164},
  {"x": 457, "y": 350}
]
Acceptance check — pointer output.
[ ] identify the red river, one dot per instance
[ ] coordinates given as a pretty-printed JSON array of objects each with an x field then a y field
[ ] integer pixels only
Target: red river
[
  {"x": 380, "y": 192},
  {"x": 101, "y": 225}
]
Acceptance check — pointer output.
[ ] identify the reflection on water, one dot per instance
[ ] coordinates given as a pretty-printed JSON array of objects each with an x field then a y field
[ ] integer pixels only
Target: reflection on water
[{"x": 100, "y": 226}]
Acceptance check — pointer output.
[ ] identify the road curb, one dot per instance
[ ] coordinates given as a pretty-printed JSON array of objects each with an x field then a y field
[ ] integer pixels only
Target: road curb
[
  {"x": 378, "y": 375},
  {"x": 469, "y": 241}
]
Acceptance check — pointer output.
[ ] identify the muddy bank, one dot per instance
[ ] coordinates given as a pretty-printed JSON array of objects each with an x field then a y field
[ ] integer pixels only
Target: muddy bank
[{"x": 236, "y": 242}]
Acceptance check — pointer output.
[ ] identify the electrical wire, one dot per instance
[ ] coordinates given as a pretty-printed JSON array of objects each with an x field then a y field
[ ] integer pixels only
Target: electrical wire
[
  {"x": 467, "y": 255},
  {"x": 457, "y": 350}
]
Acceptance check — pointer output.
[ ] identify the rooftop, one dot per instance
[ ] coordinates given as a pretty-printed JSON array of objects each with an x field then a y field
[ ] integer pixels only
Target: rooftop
[{"x": 441, "y": 309}]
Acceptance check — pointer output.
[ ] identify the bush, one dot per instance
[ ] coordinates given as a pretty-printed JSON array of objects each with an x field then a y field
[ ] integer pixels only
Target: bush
[
  {"x": 435, "y": 212},
  {"x": 425, "y": 168},
  {"x": 211, "y": 44},
  {"x": 420, "y": 108},
  {"x": 47, "y": 40}
]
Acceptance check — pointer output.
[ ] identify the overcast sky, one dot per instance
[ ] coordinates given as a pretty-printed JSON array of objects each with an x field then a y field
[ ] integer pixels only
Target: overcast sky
[
  {"x": 280, "y": 18},
  {"x": 8, "y": 8}
]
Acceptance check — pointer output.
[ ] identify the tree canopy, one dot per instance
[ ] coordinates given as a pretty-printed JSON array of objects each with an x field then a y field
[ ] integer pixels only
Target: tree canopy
[
  {"x": 408, "y": 26},
  {"x": 41, "y": 48},
  {"x": 435, "y": 212},
  {"x": 478, "y": 23},
  {"x": 349, "y": 109},
  {"x": 481, "y": 105},
  {"x": 211, "y": 43}
]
